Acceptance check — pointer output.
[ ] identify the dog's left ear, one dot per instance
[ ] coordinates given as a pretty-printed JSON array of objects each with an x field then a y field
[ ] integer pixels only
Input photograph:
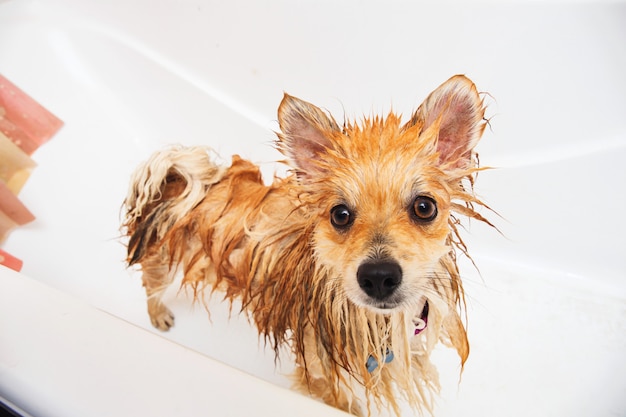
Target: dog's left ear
[
  {"x": 453, "y": 115},
  {"x": 305, "y": 134}
]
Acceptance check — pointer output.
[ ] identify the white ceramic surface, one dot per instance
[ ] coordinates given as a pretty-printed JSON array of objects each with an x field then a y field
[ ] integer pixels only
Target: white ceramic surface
[{"x": 547, "y": 316}]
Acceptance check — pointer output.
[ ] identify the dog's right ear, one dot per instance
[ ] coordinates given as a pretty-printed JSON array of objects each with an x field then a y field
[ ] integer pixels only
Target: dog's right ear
[{"x": 304, "y": 137}]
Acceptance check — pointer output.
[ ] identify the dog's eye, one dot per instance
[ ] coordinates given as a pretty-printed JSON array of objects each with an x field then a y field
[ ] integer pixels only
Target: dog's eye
[
  {"x": 341, "y": 217},
  {"x": 424, "y": 209}
]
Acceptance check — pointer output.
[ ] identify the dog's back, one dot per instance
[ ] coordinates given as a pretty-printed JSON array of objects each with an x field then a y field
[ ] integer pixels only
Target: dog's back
[{"x": 220, "y": 225}]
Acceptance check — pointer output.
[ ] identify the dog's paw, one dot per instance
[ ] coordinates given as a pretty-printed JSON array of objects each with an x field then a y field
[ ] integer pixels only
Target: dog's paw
[{"x": 160, "y": 316}]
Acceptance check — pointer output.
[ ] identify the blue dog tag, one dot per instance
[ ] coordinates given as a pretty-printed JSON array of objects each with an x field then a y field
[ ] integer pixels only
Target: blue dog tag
[{"x": 372, "y": 363}]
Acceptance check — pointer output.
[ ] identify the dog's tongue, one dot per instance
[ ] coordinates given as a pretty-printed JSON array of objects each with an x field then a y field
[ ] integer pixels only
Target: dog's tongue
[{"x": 422, "y": 321}]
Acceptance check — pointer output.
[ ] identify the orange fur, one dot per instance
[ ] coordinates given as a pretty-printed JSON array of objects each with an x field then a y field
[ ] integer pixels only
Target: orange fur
[{"x": 334, "y": 260}]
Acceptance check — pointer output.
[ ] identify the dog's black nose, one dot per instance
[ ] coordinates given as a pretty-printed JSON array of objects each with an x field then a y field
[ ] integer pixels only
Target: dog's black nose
[{"x": 379, "y": 279}]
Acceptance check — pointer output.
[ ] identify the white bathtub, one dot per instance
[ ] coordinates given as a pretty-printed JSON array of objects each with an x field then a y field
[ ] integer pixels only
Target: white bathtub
[{"x": 547, "y": 316}]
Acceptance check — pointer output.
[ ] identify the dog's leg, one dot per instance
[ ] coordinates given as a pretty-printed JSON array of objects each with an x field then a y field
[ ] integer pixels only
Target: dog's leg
[
  {"x": 319, "y": 387},
  {"x": 156, "y": 276},
  {"x": 310, "y": 378}
]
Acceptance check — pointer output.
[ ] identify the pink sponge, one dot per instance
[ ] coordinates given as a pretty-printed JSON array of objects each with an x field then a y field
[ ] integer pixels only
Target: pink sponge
[{"x": 27, "y": 123}]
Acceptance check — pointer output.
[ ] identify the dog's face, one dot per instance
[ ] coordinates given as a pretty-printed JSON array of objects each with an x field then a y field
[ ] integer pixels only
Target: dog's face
[
  {"x": 383, "y": 227},
  {"x": 383, "y": 192}
]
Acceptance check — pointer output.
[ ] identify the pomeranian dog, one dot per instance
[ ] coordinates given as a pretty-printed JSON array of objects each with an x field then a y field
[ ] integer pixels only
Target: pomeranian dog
[{"x": 350, "y": 261}]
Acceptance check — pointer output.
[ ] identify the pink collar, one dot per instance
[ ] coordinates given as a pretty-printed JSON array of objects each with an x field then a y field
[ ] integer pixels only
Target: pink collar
[{"x": 420, "y": 322}]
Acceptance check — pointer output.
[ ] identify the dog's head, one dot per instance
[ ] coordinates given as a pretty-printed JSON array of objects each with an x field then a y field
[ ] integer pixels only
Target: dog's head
[{"x": 383, "y": 192}]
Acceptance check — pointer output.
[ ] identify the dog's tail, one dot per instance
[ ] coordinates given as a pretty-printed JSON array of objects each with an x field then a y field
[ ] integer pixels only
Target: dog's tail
[{"x": 163, "y": 190}]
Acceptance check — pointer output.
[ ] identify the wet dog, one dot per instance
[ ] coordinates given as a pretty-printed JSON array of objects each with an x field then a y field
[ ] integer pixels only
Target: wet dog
[{"x": 350, "y": 261}]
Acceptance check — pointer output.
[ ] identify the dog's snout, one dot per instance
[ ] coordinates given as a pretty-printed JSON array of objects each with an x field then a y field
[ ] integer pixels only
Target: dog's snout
[{"x": 379, "y": 279}]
